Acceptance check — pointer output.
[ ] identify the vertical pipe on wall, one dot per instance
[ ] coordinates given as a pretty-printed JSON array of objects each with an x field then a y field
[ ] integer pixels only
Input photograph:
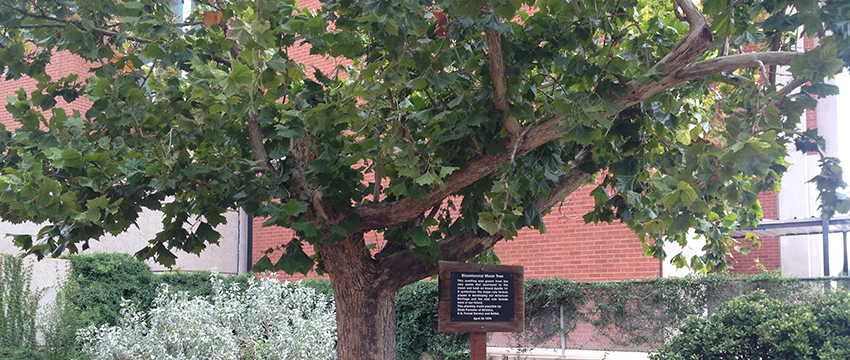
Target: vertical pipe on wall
[
  {"x": 846, "y": 268},
  {"x": 825, "y": 223},
  {"x": 563, "y": 332},
  {"x": 250, "y": 245}
]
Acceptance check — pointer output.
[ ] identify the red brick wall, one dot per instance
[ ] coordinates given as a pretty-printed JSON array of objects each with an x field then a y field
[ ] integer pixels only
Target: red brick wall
[
  {"x": 62, "y": 64},
  {"x": 578, "y": 251},
  {"x": 768, "y": 255}
]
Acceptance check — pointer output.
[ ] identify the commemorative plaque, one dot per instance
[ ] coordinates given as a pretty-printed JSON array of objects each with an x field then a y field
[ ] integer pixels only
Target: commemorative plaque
[{"x": 480, "y": 298}]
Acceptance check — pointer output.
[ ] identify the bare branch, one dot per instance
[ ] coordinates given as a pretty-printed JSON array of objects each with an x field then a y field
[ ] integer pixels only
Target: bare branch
[
  {"x": 730, "y": 63},
  {"x": 641, "y": 91},
  {"x": 218, "y": 59},
  {"x": 497, "y": 74},
  {"x": 791, "y": 86}
]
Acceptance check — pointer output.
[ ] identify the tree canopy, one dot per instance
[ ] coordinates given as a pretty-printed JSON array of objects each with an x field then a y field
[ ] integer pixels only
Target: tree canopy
[{"x": 447, "y": 125}]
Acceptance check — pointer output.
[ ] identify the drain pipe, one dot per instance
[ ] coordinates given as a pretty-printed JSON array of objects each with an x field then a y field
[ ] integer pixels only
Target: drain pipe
[
  {"x": 563, "y": 332},
  {"x": 825, "y": 225},
  {"x": 846, "y": 268},
  {"x": 250, "y": 245}
]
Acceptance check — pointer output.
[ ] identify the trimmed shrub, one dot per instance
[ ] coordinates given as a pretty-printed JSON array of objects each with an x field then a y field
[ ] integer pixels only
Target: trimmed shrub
[
  {"x": 268, "y": 320},
  {"x": 416, "y": 316},
  {"x": 100, "y": 282},
  {"x": 758, "y": 327}
]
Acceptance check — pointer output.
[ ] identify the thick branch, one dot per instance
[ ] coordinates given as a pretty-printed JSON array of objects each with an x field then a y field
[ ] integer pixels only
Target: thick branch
[
  {"x": 641, "y": 91},
  {"x": 695, "y": 43},
  {"x": 730, "y": 63},
  {"x": 497, "y": 75},
  {"x": 403, "y": 268},
  {"x": 255, "y": 136},
  {"x": 379, "y": 216}
]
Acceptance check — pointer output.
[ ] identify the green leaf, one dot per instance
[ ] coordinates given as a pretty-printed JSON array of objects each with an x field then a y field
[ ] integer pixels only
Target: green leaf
[
  {"x": 420, "y": 237},
  {"x": 470, "y": 8},
  {"x": 683, "y": 137},
  {"x": 391, "y": 27},
  {"x": 277, "y": 63},
  {"x": 730, "y": 219},
  {"x": 487, "y": 222},
  {"x": 713, "y": 7},
  {"x": 686, "y": 193},
  {"x": 446, "y": 171},
  {"x": 697, "y": 264},
  {"x": 98, "y": 203},
  {"x": 136, "y": 95},
  {"x": 419, "y": 83},
  {"x": 294, "y": 207},
  {"x": 428, "y": 178},
  {"x": 263, "y": 265}
]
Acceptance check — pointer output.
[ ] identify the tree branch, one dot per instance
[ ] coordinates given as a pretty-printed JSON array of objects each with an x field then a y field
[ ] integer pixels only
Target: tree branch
[
  {"x": 255, "y": 136},
  {"x": 497, "y": 75},
  {"x": 218, "y": 59},
  {"x": 791, "y": 86},
  {"x": 694, "y": 44},
  {"x": 378, "y": 216},
  {"x": 730, "y": 63},
  {"x": 641, "y": 91},
  {"x": 75, "y": 23},
  {"x": 402, "y": 268}
]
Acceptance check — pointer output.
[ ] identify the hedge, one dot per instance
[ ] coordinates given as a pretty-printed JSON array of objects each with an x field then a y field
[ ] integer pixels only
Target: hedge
[{"x": 638, "y": 315}]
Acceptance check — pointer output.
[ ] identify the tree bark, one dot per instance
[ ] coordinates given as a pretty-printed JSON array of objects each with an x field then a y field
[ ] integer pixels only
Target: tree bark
[{"x": 365, "y": 301}]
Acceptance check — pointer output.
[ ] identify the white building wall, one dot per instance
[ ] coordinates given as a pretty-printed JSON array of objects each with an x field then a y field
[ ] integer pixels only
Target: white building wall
[{"x": 230, "y": 257}]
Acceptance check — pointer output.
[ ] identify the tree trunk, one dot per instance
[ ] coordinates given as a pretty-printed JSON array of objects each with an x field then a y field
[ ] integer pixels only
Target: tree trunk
[{"x": 365, "y": 302}]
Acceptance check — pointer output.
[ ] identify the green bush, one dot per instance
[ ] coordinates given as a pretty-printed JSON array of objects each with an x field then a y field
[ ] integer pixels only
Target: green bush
[
  {"x": 416, "y": 321},
  {"x": 758, "y": 327},
  {"x": 16, "y": 353},
  {"x": 18, "y": 305},
  {"x": 196, "y": 283},
  {"x": 100, "y": 281}
]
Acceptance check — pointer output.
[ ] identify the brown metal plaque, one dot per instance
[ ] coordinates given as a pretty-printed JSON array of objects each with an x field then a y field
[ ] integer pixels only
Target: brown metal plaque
[{"x": 480, "y": 298}]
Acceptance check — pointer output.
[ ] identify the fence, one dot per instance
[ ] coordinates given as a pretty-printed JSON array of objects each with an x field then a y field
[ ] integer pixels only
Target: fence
[{"x": 636, "y": 315}]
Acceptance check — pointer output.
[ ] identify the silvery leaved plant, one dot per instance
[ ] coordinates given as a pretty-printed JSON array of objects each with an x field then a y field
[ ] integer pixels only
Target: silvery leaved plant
[{"x": 268, "y": 320}]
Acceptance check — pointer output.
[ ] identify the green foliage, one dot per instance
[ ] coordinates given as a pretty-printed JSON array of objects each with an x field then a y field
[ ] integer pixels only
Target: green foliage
[
  {"x": 17, "y": 353},
  {"x": 100, "y": 282},
  {"x": 413, "y": 106},
  {"x": 18, "y": 305},
  {"x": 98, "y": 285},
  {"x": 642, "y": 314},
  {"x": 760, "y": 327},
  {"x": 221, "y": 117},
  {"x": 416, "y": 321},
  {"x": 197, "y": 283},
  {"x": 60, "y": 325},
  {"x": 320, "y": 286}
]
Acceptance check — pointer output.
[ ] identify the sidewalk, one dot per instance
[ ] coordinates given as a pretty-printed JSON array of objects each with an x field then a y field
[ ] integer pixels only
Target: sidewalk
[{"x": 500, "y": 353}]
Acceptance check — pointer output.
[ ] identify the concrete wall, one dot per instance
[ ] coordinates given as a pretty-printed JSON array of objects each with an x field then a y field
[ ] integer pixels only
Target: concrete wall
[{"x": 229, "y": 257}]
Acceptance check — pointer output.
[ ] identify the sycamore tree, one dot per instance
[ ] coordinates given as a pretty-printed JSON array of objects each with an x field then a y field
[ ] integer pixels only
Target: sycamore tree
[{"x": 448, "y": 125}]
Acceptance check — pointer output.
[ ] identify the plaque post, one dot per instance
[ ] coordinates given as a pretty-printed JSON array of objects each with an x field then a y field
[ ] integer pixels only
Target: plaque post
[{"x": 479, "y": 345}]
